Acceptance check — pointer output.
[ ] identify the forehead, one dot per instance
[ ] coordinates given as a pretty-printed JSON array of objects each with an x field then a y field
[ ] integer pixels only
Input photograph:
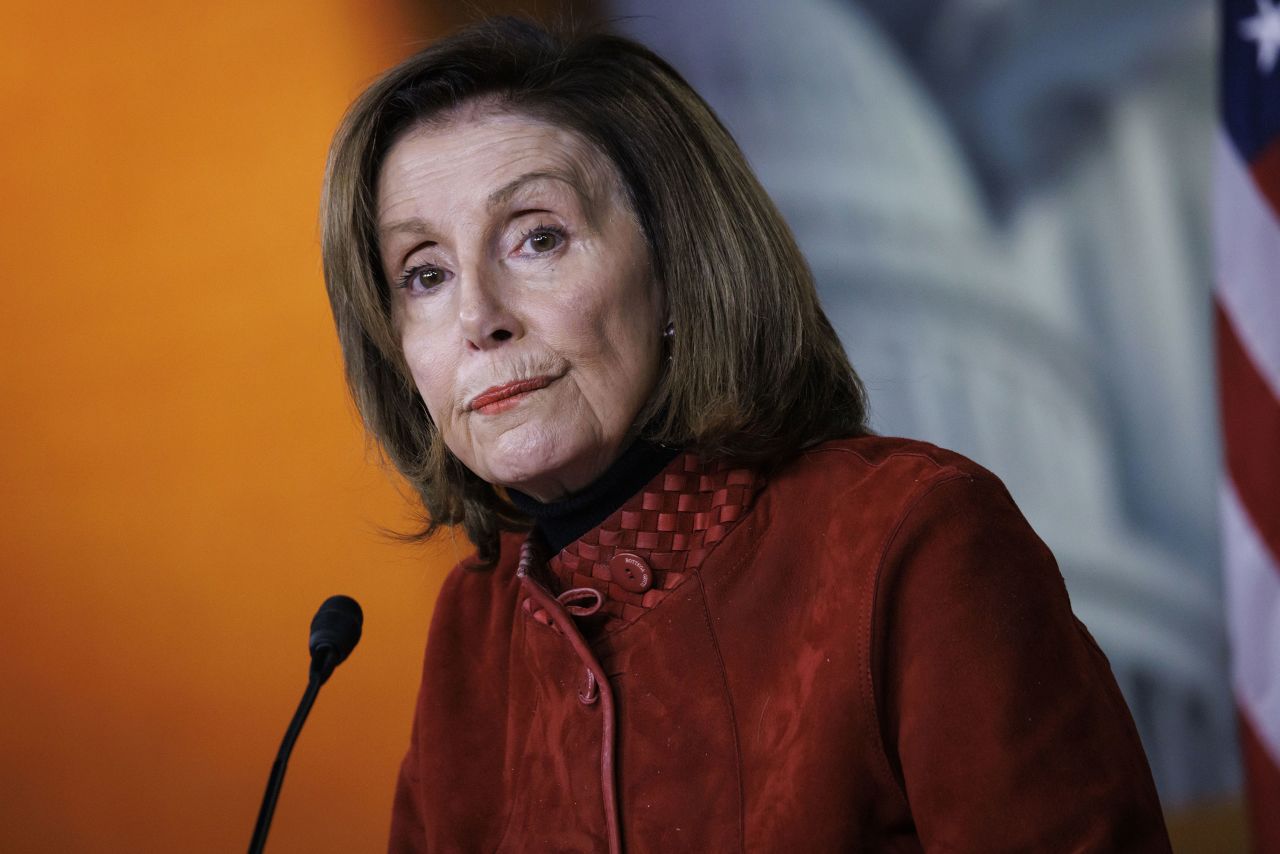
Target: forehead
[{"x": 472, "y": 155}]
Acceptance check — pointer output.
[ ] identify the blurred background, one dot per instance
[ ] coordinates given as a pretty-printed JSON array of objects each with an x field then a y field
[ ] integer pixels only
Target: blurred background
[{"x": 1005, "y": 204}]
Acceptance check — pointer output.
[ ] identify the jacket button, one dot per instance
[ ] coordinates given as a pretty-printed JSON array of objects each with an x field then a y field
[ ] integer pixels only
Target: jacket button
[{"x": 631, "y": 572}]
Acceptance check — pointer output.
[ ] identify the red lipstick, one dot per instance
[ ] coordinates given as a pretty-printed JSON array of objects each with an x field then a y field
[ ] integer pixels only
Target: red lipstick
[{"x": 492, "y": 400}]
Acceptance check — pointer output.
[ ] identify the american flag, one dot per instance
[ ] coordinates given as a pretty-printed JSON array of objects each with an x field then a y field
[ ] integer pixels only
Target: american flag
[{"x": 1247, "y": 239}]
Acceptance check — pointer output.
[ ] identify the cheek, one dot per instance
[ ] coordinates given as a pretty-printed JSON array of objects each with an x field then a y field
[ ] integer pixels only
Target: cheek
[
  {"x": 638, "y": 325},
  {"x": 433, "y": 374},
  {"x": 625, "y": 341},
  {"x": 619, "y": 308},
  {"x": 609, "y": 331}
]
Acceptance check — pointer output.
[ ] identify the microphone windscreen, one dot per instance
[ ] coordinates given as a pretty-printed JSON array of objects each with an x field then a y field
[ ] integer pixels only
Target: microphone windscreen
[{"x": 337, "y": 626}]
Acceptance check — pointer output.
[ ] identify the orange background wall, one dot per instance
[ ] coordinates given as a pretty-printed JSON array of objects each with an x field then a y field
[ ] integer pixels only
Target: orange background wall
[{"x": 182, "y": 479}]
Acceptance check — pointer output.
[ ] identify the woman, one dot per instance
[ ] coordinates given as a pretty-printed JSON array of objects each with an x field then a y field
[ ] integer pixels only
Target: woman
[{"x": 708, "y": 610}]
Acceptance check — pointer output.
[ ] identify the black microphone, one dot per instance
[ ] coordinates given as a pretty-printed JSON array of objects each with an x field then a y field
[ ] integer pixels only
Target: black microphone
[{"x": 335, "y": 631}]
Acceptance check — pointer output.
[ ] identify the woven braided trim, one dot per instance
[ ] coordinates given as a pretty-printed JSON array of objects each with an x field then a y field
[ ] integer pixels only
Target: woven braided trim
[{"x": 672, "y": 523}]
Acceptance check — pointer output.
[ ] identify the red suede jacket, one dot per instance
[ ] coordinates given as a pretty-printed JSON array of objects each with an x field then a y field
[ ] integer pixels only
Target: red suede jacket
[{"x": 871, "y": 651}]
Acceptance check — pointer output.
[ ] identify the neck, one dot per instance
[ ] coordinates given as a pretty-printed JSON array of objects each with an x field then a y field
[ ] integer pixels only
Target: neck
[{"x": 563, "y": 521}]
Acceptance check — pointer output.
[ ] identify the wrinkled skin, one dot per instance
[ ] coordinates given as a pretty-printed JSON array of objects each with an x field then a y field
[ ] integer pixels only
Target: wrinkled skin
[{"x": 513, "y": 255}]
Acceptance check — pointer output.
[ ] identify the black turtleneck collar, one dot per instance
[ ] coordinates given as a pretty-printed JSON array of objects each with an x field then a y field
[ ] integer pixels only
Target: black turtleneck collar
[{"x": 561, "y": 522}]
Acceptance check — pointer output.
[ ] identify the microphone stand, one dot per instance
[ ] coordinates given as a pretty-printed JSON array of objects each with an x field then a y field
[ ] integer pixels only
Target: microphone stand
[
  {"x": 335, "y": 631},
  {"x": 319, "y": 675}
]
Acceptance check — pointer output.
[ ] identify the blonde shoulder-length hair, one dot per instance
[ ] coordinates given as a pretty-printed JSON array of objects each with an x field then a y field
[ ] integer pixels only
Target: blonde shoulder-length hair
[{"x": 756, "y": 371}]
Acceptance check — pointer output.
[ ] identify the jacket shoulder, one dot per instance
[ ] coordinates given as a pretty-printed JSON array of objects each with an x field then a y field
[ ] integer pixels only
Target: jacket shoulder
[
  {"x": 880, "y": 452},
  {"x": 893, "y": 470}
]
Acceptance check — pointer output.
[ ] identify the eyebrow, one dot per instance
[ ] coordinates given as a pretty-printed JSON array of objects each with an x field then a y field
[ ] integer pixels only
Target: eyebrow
[
  {"x": 417, "y": 225},
  {"x": 506, "y": 191}
]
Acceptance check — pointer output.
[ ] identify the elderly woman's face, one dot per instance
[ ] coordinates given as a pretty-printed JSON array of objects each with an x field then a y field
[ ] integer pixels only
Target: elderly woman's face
[{"x": 524, "y": 297}]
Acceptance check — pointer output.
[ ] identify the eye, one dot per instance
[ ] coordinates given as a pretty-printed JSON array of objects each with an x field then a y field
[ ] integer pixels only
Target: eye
[
  {"x": 422, "y": 278},
  {"x": 542, "y": 239}
]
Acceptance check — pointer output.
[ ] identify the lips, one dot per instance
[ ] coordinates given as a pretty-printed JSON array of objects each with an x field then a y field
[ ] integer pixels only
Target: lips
[{"x": 486, "y": 399}]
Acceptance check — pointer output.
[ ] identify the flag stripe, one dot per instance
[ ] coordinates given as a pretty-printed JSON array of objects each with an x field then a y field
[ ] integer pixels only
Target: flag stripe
[
  {"x": 1251, "y": 434},
  {"x": 1246, "y": 224},
  {"x": 1266, "y": 176},
  {"x": 1252, "y": 588},
  {"x": 1262, "y": 782},
  {"x": 1247, "y": 243}
]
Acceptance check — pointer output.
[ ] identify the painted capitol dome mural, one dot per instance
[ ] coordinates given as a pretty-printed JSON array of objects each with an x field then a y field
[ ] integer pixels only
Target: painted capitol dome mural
[{"x": 1003, "y": 205}]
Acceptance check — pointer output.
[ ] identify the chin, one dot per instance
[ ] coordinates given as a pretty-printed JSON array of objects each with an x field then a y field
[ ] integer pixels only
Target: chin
[
  {"x": 541, "y": 463},
  {"x": 526, "y": 458}
]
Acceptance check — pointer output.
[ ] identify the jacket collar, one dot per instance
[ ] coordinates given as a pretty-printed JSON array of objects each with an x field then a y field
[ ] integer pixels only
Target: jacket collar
[
  {"x": 656, "y": 540},
  {"x": 561, "y": 522}
]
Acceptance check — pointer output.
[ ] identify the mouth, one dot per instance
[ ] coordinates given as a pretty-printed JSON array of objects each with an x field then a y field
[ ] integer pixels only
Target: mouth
[{"x": 500, "y": 398}]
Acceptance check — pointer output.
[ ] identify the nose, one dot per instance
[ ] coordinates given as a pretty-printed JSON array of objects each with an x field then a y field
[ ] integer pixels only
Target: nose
[{"x": 485, "y": 313}]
